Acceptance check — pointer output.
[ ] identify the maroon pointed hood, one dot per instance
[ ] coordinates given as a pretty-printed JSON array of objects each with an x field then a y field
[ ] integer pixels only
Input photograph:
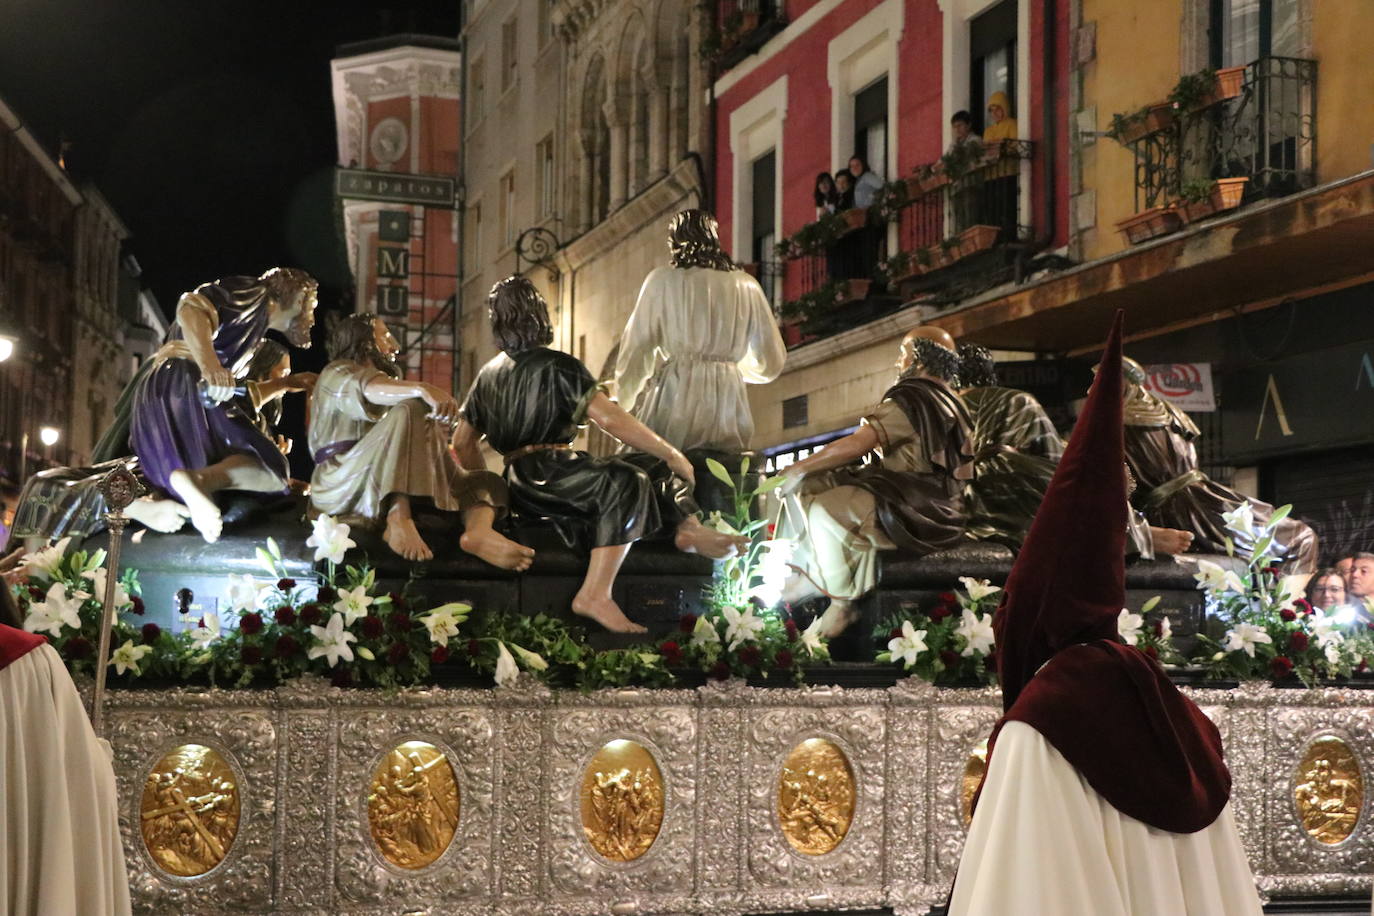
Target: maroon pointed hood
[{"x": 1068, "y": 584}]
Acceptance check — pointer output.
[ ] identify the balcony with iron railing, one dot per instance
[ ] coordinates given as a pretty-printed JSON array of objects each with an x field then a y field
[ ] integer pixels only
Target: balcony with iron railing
[
  {"x": 1221, "y": 140},
  {"x": 952, "y": 229},
  {"x": 740, "y": 28}
]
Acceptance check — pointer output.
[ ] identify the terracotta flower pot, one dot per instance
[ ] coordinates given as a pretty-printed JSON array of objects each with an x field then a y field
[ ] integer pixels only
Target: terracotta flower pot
[
  {"x": 1150, "y": 224},
  {"x": 1161, "y": 117},
  {"x": 1230, "y": 81},
  {"x": 855, "y": 290},
  {"x": 977, "y": 238},
  {"x": 1194, "y": 210},
  {"x": 1228, "y": 193}
]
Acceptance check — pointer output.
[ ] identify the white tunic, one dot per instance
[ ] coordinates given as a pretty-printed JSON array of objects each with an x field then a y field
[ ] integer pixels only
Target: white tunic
[
  {"x": 1044, "y": 843},
  {"x": 696, "y": 337},
  {"x": 60, "y": 850}
]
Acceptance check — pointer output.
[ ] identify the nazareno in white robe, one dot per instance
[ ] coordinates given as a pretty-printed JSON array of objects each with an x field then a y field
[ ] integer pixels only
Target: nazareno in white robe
[
  {"x": 60, "y": 848},
  {"x": 1044, "y": 843},
  {"x": 696, "y": 337}
]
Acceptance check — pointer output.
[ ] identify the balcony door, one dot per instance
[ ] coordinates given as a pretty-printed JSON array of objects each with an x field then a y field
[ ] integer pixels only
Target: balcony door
[
  {"x": 992, "y": 60},
  {"x": 1242, "y": 31},
  {"x": 763, "y": 207},
  {"x": 870, "y": 127}
]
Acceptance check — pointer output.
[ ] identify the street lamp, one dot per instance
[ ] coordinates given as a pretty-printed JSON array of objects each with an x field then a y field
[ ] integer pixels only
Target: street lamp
[
  {"x": 8, "y": 340},
  {"x": 49, "y": 435}
]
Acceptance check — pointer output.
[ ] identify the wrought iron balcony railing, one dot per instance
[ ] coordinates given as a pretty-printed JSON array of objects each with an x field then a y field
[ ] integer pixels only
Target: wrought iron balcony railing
[
  {"x": 741, "y": 28},
  {"x": 1266, "y": 134}
]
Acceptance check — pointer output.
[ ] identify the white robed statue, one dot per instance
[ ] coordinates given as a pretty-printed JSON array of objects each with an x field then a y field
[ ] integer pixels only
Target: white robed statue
[{"x": 701, "y": 330}]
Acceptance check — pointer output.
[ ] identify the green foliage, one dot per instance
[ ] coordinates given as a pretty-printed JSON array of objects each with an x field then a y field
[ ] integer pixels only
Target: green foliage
[
  {"x": 813, "y": 238},
  {"x": 1197, "y": 190},
  {"x": 1194, "y": 89}
]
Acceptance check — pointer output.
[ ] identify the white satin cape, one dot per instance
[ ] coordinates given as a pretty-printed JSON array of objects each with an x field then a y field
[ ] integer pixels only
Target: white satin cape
[
  {"x": 1044, "y": 843},
  {"x": 60, "y": 849}
]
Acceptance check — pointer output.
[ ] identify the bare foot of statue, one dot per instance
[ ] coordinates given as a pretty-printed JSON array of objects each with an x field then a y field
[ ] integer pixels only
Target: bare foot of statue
[
  {"x": 164, "y": 515},
  {"x": 497, "y": 549},
  {"x": 402, "y": 537},
  {"x": 837, "y": 618},
  {"x": 1170, "y": 541},
  {"x": 204, "y": 513},
  {"x": 605, "y": 612},
  {"x": 694, "y": 537}
]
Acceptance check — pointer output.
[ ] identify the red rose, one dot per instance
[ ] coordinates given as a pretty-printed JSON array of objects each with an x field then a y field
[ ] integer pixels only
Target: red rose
[
  {"x": 1304, "y": 605},
  {"x": 439, "y": 655},
  {"x": 948, "y": 598},
  {"x": 790, "y": 626},
  {"x": 400, "y": 622},
  {"x": 1280, "y": 666},
  {"x": 687, "y": 623},
  {"x": 671, "y": 652},
  {"x": 286, "y": 615},
  {"x": 720, "y": 671},
  {"x": 1298, "y": 641},
  {"x": 138, "y": 606},
  {"x": 341, "y": 677},
  {"x": 1151, "y": 651},
  {"x": 250, "y": 655},
  {"x": 250, "y": 623},
  {"x": 474, "y": 648},
  {"x": 940, "y": 612},
  {"x": 1370, "y": 625},
  {"x": 36, "y": 593},
  {"x": 372, "y": 626},
  {"x": 151, "y": 632},
  {"x": 1363, "y": 665},
  {"x": 750, "y": 656},
  {"x": 398, "y": 653},
  {"x": 286, "y": 585},
  {"x": 1288, "y": 614},
  {"x": 311, "y": 614},
  {"x": 286, "y": 647},
  {"x": 1159, "y": 629},
  {"x": 77, "y": 647},
  {"x": 783, "y": 660},
  {"x": 894, "y": 633},
  {"x": 950, "y": 658},
  {"x": 326, "y": 594}
]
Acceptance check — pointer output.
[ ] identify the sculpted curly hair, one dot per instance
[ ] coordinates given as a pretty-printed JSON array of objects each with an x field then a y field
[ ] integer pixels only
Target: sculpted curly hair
[
  {"x": 976, "y": 367},
  {"x": 933, "y": 359},
  {"x": 694, "y": 241},
  {"x": 353, "y": 337},
  {"x": 519, "y": 316}
]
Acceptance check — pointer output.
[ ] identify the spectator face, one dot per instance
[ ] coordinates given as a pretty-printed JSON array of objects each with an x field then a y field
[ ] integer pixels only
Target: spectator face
[
  {"x": 1328, "y": 592},
  {"x": 825, "y": 185},
  {"x": 1362, "y": 578},
  {"x": 856, "y": 166},
  {"x": 961, "y": 129},
  {"x": 842, "y": 183},
  {"x": 997, "y": 113},
  {"x": 1343, "y": 567}
]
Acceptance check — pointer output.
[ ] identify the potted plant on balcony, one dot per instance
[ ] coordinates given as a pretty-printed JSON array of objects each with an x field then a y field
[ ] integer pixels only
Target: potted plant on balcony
[
  {"x": 1159, "y": 116},
  {"x": 854, "y": 218},
  {"x": 901, "y": 266},
  {"x": 1196, "y": 203},
  {"x": 1228, "y": 193},
  {"x": 1128, "y": 127},
  {"x": 960, "y": 159},
  {"x": 814, "y": 237},
  {"x": 977, "y": 238},
  {"x": 1149, "y": 224},
  {"x": 890, "y": 199}
]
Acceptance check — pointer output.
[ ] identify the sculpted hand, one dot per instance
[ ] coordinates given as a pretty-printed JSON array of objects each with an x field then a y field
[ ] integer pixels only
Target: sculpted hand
[
  {"x": 442, "y": 406},
  {"x": 301, "y": 381},
  {"x": 791, "y": 483},
  {"x": 219, "y": 383},
  {"x": 679, "y": 465}
]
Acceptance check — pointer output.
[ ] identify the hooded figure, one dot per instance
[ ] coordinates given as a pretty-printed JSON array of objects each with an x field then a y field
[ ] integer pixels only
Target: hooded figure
[{"x": 1105, "y": 791}]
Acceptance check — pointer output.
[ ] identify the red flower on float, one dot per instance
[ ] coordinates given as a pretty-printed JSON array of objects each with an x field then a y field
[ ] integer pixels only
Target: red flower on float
[
  {"x": 439, "y": 655},
  {"x": 1280, "y": 667},
  {"x": 250, "y": 623},
  {"x": 151, "y": 632},
  {"x": 286, "y": 615}
]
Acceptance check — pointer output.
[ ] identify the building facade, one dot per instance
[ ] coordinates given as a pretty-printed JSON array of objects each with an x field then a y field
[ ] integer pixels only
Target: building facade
[{"x": 98, "y": 327}]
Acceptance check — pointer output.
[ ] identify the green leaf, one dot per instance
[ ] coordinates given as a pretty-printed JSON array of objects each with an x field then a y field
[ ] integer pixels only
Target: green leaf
[
  {"x": 744, "y": 466},
  {"x": 265, "y": 560},
  {"x": 772, "y": 483},
  {"x": 718, "y": 471},
  {"x": 1280, "y": 514},
  {"x": 1149, "y": 606},
  {"x": 273, "y": 549}
]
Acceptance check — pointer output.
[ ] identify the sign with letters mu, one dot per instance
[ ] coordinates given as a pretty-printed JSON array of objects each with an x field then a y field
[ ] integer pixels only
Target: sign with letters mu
[
  {"x": 1315, "y": 400},
  {"x": 1188, "y": 386}
]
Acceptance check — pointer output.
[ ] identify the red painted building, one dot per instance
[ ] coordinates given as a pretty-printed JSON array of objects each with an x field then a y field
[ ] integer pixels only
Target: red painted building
[{"x": 801, "y": 86}]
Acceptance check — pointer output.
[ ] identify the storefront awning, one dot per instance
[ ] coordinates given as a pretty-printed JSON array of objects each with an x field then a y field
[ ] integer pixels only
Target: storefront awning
[{"x": 1308, "y": 242}]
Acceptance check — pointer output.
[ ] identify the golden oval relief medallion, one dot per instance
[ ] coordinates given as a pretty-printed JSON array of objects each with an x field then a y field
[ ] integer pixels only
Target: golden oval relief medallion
[
  {"x": 190, "y": 811},
  {"x": 413, "y": 804},
  {"x": 816, "y": 796},
  {"x": 622, "y": 801},
  {"x": 1329, "y": 790},
  {"x": 974, "y": 771}
]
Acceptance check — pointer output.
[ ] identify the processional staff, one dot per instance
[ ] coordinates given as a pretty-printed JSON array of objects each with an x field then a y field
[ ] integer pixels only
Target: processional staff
[{"x": 120, "y": 488}]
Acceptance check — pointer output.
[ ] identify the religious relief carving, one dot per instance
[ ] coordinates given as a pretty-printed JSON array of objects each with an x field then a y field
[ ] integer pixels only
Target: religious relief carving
[
  {"x": 190, "y": 810},
  {"x": 816, "y": 797},
  {"x": 622, "y": 801},
  {"x": 974, "y": 771},
  {"x": 1329, "y": 790},
  {"x": 413, "y": 804}
]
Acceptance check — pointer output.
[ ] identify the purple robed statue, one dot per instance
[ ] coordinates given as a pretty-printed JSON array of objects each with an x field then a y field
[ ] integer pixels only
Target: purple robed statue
[{"x": 188, "y": 440}]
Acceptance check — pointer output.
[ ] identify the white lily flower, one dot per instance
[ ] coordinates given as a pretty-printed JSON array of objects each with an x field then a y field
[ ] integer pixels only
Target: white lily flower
[
  {"x": 1326, "y": 628},
  {"x": 811, "y": 637},
  {"x": 332, "y": 641},
  {"x": 704, "y": 633},
  {"x": 44, "y": 562},
  {"x": 506, "y": 669},
  {"x": 909, "y": 645},
  {"x": 353, "y": 604},
  {"x": 330, "y": 539},
  {"x": 740, "y": 625},
  {"x": 1216, "y": 580},
  {"x": 207, "y": 632},
  {"x": 1333, "y": 654},
  {"x": 55, "y": 611},
  {"x": 1290, "y": 590},
  {"x": 978, "y": 589},
  {"x": 1244, "y": 637},
  {"x": 1166, "y": 629},
  {"x": 1240, "y": 520},
  {"x": 442, "y": 622},
  {"x": 1128, "y": 626},
  {"x": 97, "y": 577},
  {"x": 718, "y": 523},
  {"x": 127, "y": 657},
  {"x": 242, "y": 593},
  {"x": 977, "y": 632},
  {"x": 531, "y": 660}
]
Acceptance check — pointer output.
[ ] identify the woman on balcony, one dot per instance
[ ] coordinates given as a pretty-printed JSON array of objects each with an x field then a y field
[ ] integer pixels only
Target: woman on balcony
[
  {"x": 999, "y": 197},
  {"x": 827, "y": 199}
]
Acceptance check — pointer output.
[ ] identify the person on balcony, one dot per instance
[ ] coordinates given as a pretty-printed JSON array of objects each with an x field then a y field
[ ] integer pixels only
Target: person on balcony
[
  {"x": 998, "y": 199},
  {"x": 961, "y": 130},
  {"x": 701, "y": 330},
  {"x": 827, "y": 199},
  {"x": 1001, "y": 125},
  {"x": 867, "y": 183},
  {"x": 529, "y": 402},
  {"x": 1175, "y": 493},
  {"x": 910, "y": 498},
  {"x": 844, "y": 190}
]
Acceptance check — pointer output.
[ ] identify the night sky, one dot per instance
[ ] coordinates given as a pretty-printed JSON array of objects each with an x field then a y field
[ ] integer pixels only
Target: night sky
[{"x": 208, "y": 124}]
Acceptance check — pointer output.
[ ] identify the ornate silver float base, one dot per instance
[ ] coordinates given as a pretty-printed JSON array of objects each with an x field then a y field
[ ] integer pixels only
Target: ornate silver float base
[{"x": 304, "y": 756}]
